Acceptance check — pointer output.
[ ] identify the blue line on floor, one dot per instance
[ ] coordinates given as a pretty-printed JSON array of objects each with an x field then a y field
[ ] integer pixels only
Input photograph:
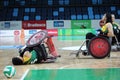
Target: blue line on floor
[{"x": 10, "y": 46}]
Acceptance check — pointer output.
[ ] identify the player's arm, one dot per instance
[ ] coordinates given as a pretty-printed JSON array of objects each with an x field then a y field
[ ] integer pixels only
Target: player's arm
[{"x": 110, "y": 30}]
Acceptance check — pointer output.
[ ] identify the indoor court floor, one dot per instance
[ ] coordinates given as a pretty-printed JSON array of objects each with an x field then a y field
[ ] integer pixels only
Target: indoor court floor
[{"x": 65, "y": 68}]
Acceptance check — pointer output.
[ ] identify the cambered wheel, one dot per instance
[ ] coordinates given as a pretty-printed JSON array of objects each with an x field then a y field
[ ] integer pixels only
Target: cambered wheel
[
  {"x": 99, "y": 47},
  {"x": 36, "y": 38}
]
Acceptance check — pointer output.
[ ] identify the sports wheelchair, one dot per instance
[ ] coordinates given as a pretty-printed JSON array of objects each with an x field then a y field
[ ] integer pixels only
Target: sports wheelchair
[
  {"x": 99, "y": 47},
  {"x": 45, "y": 47}
]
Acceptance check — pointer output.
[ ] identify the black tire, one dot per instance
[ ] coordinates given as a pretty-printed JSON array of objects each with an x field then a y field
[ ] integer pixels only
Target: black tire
[
  {"x": 42, "y": 36},
  {"x": 99, "y": 47},
  {"x": 44, "y": 52}
]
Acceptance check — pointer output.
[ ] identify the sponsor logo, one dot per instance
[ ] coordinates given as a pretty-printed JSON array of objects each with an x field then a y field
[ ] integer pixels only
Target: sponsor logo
[
  {"x": 7, "y": 24},
  {"x": 34, "y": 25},
  {"x": 58, "y": 23},
  {"x": 52, "y": 32},
  {"x": 80, "y": 24},
  {"x": 16, "y": 32},
  {"x": 32, "y": 31}
]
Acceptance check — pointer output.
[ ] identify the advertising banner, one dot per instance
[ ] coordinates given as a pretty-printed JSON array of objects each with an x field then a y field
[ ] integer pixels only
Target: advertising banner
[
  {"x": 9, "y": 33},
  {"x": 52, "y": 32},
  {"x": 80, "y": 24},
  {"x": 10, "y": 25},
  {"x": 74, "y": 32},
  {"x": 58, "y": 24},
  {"x": 95, "y": 24},
  {"x": 71, "y": 37},
  {"x": 25, "y": 33},
  {"x": 117, "y": 21},
  {"x": 34, "y": 24}
]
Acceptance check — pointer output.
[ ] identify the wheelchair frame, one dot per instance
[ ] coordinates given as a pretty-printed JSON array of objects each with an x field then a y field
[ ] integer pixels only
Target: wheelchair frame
[
  {"x": 99, "y": 47},
  {"x": 42, "y": 37}
]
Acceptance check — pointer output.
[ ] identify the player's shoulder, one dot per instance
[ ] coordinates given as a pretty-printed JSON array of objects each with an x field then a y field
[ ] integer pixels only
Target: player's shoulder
[{"x": 108, "y": 24}]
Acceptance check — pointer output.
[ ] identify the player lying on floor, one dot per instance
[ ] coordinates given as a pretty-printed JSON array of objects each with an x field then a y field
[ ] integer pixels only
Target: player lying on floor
[
  {"x": 35, "y": 50},
  {"x": 31, "y": 55}
]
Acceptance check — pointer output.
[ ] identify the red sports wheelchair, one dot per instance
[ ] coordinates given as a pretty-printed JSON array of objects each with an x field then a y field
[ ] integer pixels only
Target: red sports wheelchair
[
  {"x": 46, "y": 48},
  {"x": 99, "y": 47}
]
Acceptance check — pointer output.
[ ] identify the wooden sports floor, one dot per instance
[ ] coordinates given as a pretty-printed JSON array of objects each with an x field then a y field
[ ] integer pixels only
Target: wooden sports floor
[{"x": 82, "y": 68}]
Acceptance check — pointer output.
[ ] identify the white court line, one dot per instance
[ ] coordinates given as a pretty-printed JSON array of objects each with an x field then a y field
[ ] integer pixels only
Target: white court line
[
  {"x": 73, "y": 48},
  {"x": 24, "y": 75},
  {"x": 68, "y": 67},
  {"x": 65, "y": 66}
]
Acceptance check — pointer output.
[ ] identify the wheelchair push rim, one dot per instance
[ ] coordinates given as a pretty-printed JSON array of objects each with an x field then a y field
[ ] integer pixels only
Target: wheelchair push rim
[
  {"x": 36, "y": 38},
  {"x": 99, "y": 47}
]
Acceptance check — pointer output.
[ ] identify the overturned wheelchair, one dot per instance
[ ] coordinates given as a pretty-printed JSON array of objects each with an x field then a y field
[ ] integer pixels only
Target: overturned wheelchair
[
  {"x": 42, "y": 43},
  {"x": 99, "y": 47}
]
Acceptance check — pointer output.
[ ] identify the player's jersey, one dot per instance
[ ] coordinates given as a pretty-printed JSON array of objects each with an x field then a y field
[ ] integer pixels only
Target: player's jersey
[
  {"x": 115, "y": 28},
  {"x": 33, "y": 58},
  {"x": 104, "y": 29}
]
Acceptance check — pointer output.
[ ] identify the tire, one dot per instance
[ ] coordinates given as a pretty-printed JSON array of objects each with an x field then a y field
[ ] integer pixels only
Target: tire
[
  {"x": 36, "y": 38},
  {"x": 44, "y": 52},
  {"x": 99, "y": 47}
]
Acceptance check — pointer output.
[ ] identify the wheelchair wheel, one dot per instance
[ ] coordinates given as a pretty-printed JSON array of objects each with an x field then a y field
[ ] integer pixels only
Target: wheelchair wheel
[
  {"x": 99, "y": 47},
  {"x": 44, "y": 52},
  {"x": 36, "y": 38}
]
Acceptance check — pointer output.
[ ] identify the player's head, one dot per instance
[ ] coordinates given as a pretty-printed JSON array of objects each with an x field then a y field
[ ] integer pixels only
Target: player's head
[
  {"x": 108, "y": 17},
  {"x": 17, "y": 61},
  {"x": 101, "y": 23},
  {"x": 113, "y": 17}
]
